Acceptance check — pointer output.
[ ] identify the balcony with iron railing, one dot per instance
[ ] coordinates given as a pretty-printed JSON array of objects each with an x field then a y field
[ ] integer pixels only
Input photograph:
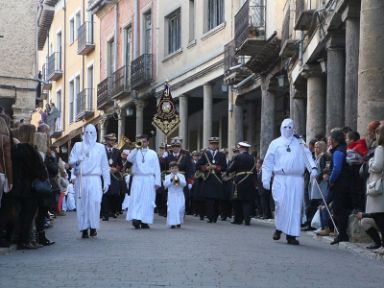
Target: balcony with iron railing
[
  {"x": 103, "y": 93},
  {"x": 85, "y": 41},
  {"x": 250, "y": 27},
  {"x": 45, "y": 84},
  {"x": 120, "y": 82},
  {"x": 84, "y": 104},
  {"x": 304, "y": 14},
  {"x": 141, "y": 73},
  {"x": 288, "y": 44},
  {"x": 234, "y": 69},
  {"x": 96, "y": 5},
  {"x": 54, "y": 70}
]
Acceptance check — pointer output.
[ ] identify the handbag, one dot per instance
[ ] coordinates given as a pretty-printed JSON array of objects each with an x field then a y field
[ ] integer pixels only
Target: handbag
[
  {"x": 316, "y": 221},
  {"x": 376, "y": 188},
  {"x": 42, "y": 188}
]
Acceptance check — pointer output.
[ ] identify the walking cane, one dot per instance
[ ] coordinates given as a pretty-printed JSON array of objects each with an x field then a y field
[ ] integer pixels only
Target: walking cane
[
  {"x": 307, "y": 162},
  {"x": 326, "y": 206}
]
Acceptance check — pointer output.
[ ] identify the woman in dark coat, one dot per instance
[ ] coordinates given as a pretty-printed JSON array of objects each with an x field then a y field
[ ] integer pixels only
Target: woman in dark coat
[
  {"x": 339, "y": 193},
  {"x": 27, "y": 165}
]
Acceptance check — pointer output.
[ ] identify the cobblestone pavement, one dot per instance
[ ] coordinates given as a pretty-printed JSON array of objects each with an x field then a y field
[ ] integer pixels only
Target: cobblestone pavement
[{"x": 197, "y": 255}]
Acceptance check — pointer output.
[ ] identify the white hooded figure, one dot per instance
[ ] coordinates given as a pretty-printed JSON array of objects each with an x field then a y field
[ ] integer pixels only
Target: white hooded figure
[
  {"x": 286, "y": 160},
  {"x": 90, "y": 163}
]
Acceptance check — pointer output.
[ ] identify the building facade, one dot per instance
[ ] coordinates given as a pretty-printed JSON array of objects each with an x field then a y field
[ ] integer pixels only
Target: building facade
[
  {"x": 69, "y": 59},
  {"x": 18, "y": 50}
]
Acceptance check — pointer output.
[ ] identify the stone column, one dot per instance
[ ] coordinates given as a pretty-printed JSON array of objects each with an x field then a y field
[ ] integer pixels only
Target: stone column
[
  {"x": 121, "y": 124},
  {"x": 371, "y": 64},
  {"x": 207, "y": 113},
  {"x": 352, "y": 32},
  {"x": 315, "y": 102},
  {"x": 335, "y": 82},
  {"x": 239, "y": 125},
  {"x": 297, "y": 107},
  {"x": 267, "y": 117},
  {"x": 251, "y": 121},
  {"x": 103, "y": 128},
  {"x": 139, "y": 116},
  {"x": 231, "y": 120},
  {"x": 183, "y": 113}
]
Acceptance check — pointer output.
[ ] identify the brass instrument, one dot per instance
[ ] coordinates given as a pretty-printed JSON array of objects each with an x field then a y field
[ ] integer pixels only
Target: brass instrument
[
  {"x": 138, "y": 144},
  {"x": 123, "y": 143},
  {"x": 176, "y": 180}
]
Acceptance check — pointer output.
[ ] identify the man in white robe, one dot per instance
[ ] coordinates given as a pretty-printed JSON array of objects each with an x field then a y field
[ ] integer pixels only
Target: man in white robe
[
  {"x": 90, "y": 163},
  {"x": 175, "y": 182},
  {"x": 286, "y": 160},
  {"x": 146, "y": 179}
]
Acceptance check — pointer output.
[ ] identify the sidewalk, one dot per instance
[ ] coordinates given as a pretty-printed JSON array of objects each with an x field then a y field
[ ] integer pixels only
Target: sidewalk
[{"x": 354, "y": 247}]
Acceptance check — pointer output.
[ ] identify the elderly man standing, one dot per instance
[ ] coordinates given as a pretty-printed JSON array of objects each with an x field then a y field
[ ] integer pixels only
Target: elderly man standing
[
  {"x": 286, "y": 159},
  {"x": 146, "y": 179},
  {"x": 89, "y": 160}
]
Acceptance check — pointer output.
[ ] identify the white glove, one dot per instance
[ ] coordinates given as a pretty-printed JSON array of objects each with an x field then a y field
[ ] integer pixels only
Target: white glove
[
  {"x": 266, "y": 186},
  {"x": 314, "y": 173},
  {"x": 105, "y": 188},
  {"x": 165, "y": 154},
  {"x": 189, "y": 186}
]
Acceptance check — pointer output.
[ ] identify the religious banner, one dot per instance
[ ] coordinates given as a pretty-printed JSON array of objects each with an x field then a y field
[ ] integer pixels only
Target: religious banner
[{"x": 166, "y": 119}]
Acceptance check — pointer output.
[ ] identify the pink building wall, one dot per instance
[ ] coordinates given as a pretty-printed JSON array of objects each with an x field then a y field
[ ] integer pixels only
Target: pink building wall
[{"x": 126, "y": 15}]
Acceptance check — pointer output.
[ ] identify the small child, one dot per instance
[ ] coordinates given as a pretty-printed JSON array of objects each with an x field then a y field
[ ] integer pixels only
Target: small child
[
  {"x": 175, "y": 182},
  {"x": 71, "y": 202}
]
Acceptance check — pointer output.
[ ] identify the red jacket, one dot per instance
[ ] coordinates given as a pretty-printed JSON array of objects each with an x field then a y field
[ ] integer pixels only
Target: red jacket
[{"x": 359, "y": 146}]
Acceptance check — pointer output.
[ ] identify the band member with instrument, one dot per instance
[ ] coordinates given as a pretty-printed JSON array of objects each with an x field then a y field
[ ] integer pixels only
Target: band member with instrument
[
  {"x": 184, "y": 161},
  {"x": 244, "y": 192},
  {"x": 146, "y": 179},
  {"x": 175, "y": 182},
  {"x": 226, "y": 202},
  {"x": 211, "y": 164},
  {"x": 197, "y": 202},
  {"x": 111, "y": 203}
]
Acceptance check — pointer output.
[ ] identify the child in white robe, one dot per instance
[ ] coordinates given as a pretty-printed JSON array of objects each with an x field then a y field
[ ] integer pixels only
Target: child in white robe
[{"x": 175, "y": 182}]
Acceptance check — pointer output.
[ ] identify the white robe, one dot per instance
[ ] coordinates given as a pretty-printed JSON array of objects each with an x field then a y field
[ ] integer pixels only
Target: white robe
[
  {"x": 71, "y": 202},
  {"x": 88, "y": 186},
  {"x": 146, "y": 174},
  {"x": 288, "y": 182},
  {"x": 176, "y": 200}
]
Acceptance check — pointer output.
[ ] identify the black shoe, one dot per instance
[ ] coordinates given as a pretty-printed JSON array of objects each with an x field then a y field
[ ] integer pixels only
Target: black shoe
[
  {"x": 144, "y": 226},
  {"x": 210, "y": 221},
  {"x": 136, "y": 224},
  {"x": 247, "y": 222},
  {"x": 291, "y": 240},
  {"x": 276, "y": 235},
  {"x": 339, "y": 239},
  {"x": 93, "y": 232},
  {"x": 43, "y": 240},
  {"x": 178, "y": 226},
  {"x": 105, "y": 218},
  {"x": 173, "y": 226},
  {"x": 223, "y": 218},
  {"x": 374, "y": 246},
  {"x": 84, "y": 234}
]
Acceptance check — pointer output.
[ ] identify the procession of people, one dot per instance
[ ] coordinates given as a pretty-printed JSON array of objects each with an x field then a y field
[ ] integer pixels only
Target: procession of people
[{"x": 103, "y": 181}]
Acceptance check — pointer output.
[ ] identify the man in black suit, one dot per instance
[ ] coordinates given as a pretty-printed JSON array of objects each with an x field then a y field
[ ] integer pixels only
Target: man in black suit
[
  {"x": 212, "y": 163},
  {"x": 243, "y": 165},
  {"x": 111, "y": 202}
]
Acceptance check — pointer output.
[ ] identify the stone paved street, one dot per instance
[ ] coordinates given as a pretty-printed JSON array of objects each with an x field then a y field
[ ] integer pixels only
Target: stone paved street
[{"x": 197, "y": 255}]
